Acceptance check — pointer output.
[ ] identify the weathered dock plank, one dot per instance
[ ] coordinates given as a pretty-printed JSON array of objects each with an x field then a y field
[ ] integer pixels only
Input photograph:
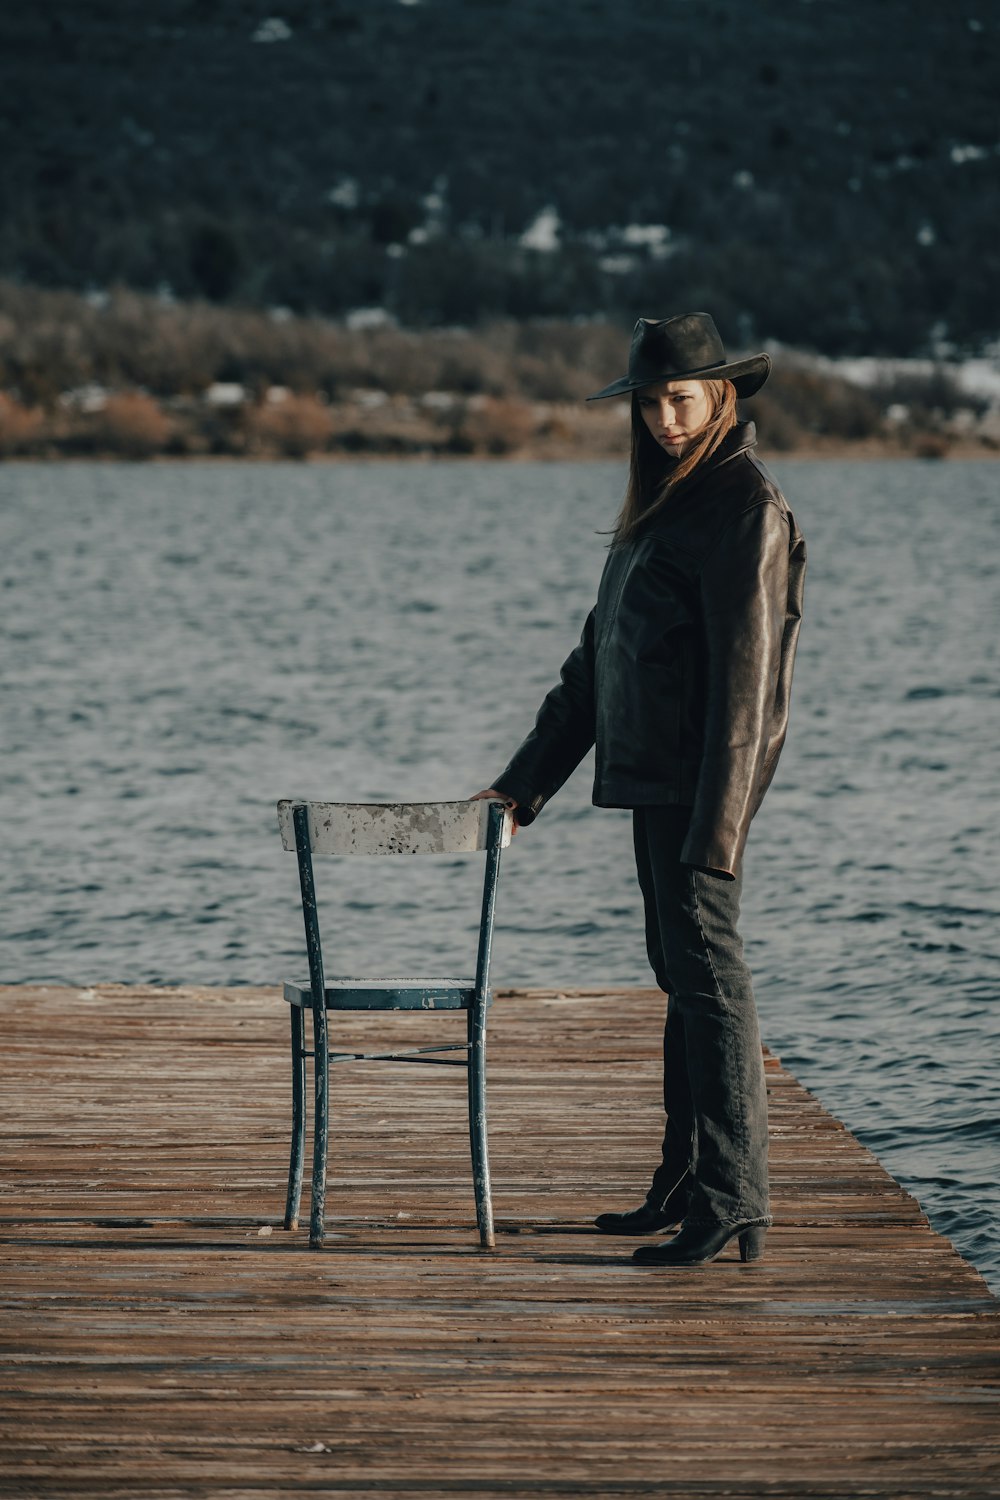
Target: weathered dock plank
[{"x": 163, "y": 1336}]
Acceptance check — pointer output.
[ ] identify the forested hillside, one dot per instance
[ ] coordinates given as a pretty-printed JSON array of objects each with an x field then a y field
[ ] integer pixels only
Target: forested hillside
[{"x": 822, "y": 174}]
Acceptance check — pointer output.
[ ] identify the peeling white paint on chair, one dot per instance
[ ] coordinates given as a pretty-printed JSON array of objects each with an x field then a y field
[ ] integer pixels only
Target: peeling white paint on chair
[{"x": 392, "y": 827}]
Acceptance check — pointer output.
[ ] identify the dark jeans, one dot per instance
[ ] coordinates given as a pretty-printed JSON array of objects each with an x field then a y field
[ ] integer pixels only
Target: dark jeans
[{"x": 713, "y": 1072}]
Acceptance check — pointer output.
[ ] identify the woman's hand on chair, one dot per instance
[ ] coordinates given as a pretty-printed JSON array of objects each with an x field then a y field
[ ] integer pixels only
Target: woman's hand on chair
[{"x": 508, "y": 802}]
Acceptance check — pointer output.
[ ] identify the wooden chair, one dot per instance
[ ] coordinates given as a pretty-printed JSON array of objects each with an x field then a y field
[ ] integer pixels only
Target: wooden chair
[{"x": 342, "y": 828}]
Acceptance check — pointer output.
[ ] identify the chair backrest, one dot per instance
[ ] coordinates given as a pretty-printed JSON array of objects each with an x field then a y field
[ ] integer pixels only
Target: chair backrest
[{"x": 392, "y": 827}]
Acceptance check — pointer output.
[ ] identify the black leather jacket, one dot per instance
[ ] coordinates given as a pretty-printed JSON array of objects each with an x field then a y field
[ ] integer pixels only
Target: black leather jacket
[{"x": 683, "y": 671}]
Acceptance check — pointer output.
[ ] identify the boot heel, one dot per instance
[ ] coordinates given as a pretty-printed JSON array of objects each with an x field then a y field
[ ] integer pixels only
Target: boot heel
[{"x": 752, "y": 1242}]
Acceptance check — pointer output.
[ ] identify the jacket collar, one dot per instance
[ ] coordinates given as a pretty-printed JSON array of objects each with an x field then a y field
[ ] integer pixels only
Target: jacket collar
[
  {"x": 742, "y": 438},
  {"x": 738, "y": 440}
]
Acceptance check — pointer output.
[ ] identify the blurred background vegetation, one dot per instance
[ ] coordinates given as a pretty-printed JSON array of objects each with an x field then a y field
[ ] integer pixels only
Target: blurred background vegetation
[{"x": 469, "y": 200}]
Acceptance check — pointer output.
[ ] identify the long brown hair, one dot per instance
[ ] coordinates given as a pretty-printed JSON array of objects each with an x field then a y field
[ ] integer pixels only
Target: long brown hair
[{"x": 652, "y": 476}]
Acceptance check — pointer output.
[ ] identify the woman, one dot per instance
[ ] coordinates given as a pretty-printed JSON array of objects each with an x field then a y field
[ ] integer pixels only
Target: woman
[{"x": 682, "y": 680}]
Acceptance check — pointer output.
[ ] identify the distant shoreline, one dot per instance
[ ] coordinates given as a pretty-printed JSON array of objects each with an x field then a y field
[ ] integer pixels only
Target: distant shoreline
[
  {"x": 833, "y": 453},
  {"x": 136, "y": 378}
]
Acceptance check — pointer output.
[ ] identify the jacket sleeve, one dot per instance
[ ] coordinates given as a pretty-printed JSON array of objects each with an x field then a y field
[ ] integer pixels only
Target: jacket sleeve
[
  {"x": 744, "y": 598},
  {"x": 564, "y": 731}
]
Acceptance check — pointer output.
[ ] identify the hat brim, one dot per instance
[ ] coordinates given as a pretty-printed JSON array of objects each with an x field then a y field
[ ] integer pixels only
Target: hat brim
[{"x": 747, "y": 375}]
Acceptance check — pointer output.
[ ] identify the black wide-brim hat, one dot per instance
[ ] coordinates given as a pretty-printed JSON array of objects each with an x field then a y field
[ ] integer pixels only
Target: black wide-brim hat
[{"x": 684, "y": 348}]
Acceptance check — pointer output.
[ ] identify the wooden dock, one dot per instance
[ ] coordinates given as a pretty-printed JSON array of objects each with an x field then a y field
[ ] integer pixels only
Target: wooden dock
[{"x": 163, "y": 1336}]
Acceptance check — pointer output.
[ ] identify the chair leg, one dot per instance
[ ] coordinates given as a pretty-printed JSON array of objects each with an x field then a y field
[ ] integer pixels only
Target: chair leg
[
  {"x": 321, "y": 1071},
  {"x": 294, "y": 1197},
  {"x": 477, "y": 1125}
]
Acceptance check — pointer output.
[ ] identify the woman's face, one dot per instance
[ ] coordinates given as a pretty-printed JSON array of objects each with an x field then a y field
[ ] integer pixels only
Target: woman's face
[{"x": 675, "y": 411}]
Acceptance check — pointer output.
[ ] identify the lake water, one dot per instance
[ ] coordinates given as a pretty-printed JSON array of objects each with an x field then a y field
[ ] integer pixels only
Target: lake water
[{"x": 183, "y": 645}]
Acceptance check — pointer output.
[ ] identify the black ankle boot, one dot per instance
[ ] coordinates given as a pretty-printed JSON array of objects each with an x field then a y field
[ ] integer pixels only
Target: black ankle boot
[
  {"x": 647, "y": 1219},
  {"x": 698, "y": 1243}
]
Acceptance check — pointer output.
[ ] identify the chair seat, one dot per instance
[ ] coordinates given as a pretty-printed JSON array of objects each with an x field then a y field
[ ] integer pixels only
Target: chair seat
[{"x": 388, "y": 994}]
